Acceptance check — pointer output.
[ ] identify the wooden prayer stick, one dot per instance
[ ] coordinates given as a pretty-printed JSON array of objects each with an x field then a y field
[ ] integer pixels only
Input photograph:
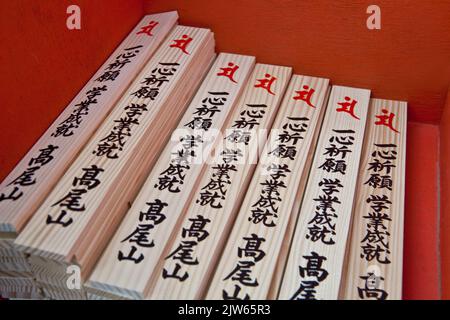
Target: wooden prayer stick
[
  {"x": 185, "y": 270},
  {"x": 316, "y": 256},
  {"x": 26, "y": 187},
  {"x": 249, "y": 260},
  {"x": 127, "y": 264},
  {"x": 373, "y": 268},
  {"x": 80, "y": 215}
]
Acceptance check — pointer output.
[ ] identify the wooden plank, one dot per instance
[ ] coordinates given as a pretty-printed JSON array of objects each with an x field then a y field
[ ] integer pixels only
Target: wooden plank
[
  {"x": 249, "y": 260},
  {"x": 14, "y": 266},
  {"x": 373, "y": 268},
  {"x": 73, "y": 226},
  {"x": 31, "y": 181},
  {"x": 184, "y": 271},
  {"x": 19, "y": 288},
  {"x": 314, "y": 264},
  {"x": 126, "y": 265},
  {"x": 13, "y": 263},
  {"x": 25, "y": 188}
]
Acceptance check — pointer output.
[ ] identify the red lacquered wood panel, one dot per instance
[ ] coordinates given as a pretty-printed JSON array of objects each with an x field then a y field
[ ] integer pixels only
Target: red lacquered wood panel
[
  {"x": 408, "y": 59},
  {"x": 445, "y": 198},
  {"x": 43, "y": 64},
  {"x": 420, "y": 256}
]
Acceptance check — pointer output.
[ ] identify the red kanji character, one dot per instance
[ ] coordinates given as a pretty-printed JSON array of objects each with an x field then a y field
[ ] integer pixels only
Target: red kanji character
[
  {"x": 229, "y": 71},
  {"x": 305, "y": 95},
  {"x": 386, "y": 120},
  {"x": 348, "y": 107},
  {"x": 148, "y": 28},
  {"x": 266, "y": 83},
  {"x": 182, "y": 43}
]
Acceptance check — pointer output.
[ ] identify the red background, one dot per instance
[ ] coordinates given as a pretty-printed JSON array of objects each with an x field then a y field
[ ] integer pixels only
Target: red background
[{"x": 43, "y": 65}]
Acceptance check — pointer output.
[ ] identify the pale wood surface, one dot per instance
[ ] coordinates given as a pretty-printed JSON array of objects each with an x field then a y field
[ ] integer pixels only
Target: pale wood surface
[
  {"x": 352, "y": 286},
  {"x": 127, "y": 278},
  {"x": 284, "y": 250},
  {"x": 14, "y": 214},
  {"x": 262, "y": 271},
  {"x": 302, "y": 243},
  {"x": 83, "y": 240},
  {"x": 19, "y": 288},
  {"x": 12, "y": 262},
  {"x": 208, "y": 250}
]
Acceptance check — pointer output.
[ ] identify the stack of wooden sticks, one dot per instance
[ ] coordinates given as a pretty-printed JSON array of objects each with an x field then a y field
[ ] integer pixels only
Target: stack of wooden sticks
[
  {"x": 76, "y": 220},
  {"x": 25, "y": 188},
  {"x": 179, "y": 174}
]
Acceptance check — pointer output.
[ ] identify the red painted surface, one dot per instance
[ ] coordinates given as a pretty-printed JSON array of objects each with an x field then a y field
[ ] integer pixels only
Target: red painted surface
[
  {"x": 43, "y": 64},
  {"x": 420, "y": 258},
  {"x": 408, "y": 59},
  {"x": 445, "y": 198}
]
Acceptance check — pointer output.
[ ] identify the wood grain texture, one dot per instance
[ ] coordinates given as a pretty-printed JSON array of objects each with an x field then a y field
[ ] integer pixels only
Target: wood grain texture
[
  {"x": 240, "y": 257},
  {"x": 335, "y": 43},
  {"x": 231, "y": 188},
  {"x": 12, "y": 262},
  {"x": 67, "y": 143},
  {"x": 69, "y": 133},
  {"x": 131, "y": 278},
  {"x": 43, "y": 59},
  {"x": 322, "y": 228},
  {"x": 82, "y": 241},
  {"x": 19, "y": 288},
  {"x": 445, "y": 198},
  {"x": 284, "y": 251},
  {"x": 378, "y": 258}
]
